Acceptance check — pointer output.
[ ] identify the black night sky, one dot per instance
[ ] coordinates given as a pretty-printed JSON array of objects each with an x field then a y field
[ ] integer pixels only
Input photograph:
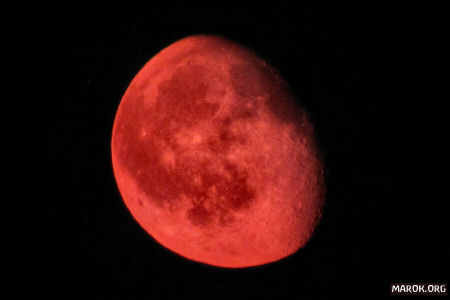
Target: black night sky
[{"x": 372, "y": 77}]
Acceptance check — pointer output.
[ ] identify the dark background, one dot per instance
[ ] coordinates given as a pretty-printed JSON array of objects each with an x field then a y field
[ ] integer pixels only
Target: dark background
[{"x": 373, "y": 79}]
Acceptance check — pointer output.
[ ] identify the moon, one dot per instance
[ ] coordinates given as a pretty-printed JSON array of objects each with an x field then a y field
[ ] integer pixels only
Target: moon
[{"x": 215, "y": 158}]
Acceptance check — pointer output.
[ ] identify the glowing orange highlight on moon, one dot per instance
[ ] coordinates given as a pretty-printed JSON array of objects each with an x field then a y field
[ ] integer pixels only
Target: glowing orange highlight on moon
[{"x": 214, "y": 158}]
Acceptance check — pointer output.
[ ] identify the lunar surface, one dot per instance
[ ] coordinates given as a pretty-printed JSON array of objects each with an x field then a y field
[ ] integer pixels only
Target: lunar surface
[{"x": 214, "y": 158}]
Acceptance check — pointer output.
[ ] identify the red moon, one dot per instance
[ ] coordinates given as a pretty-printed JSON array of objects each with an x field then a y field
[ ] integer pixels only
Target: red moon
[{"x": 214, "y": 157}]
